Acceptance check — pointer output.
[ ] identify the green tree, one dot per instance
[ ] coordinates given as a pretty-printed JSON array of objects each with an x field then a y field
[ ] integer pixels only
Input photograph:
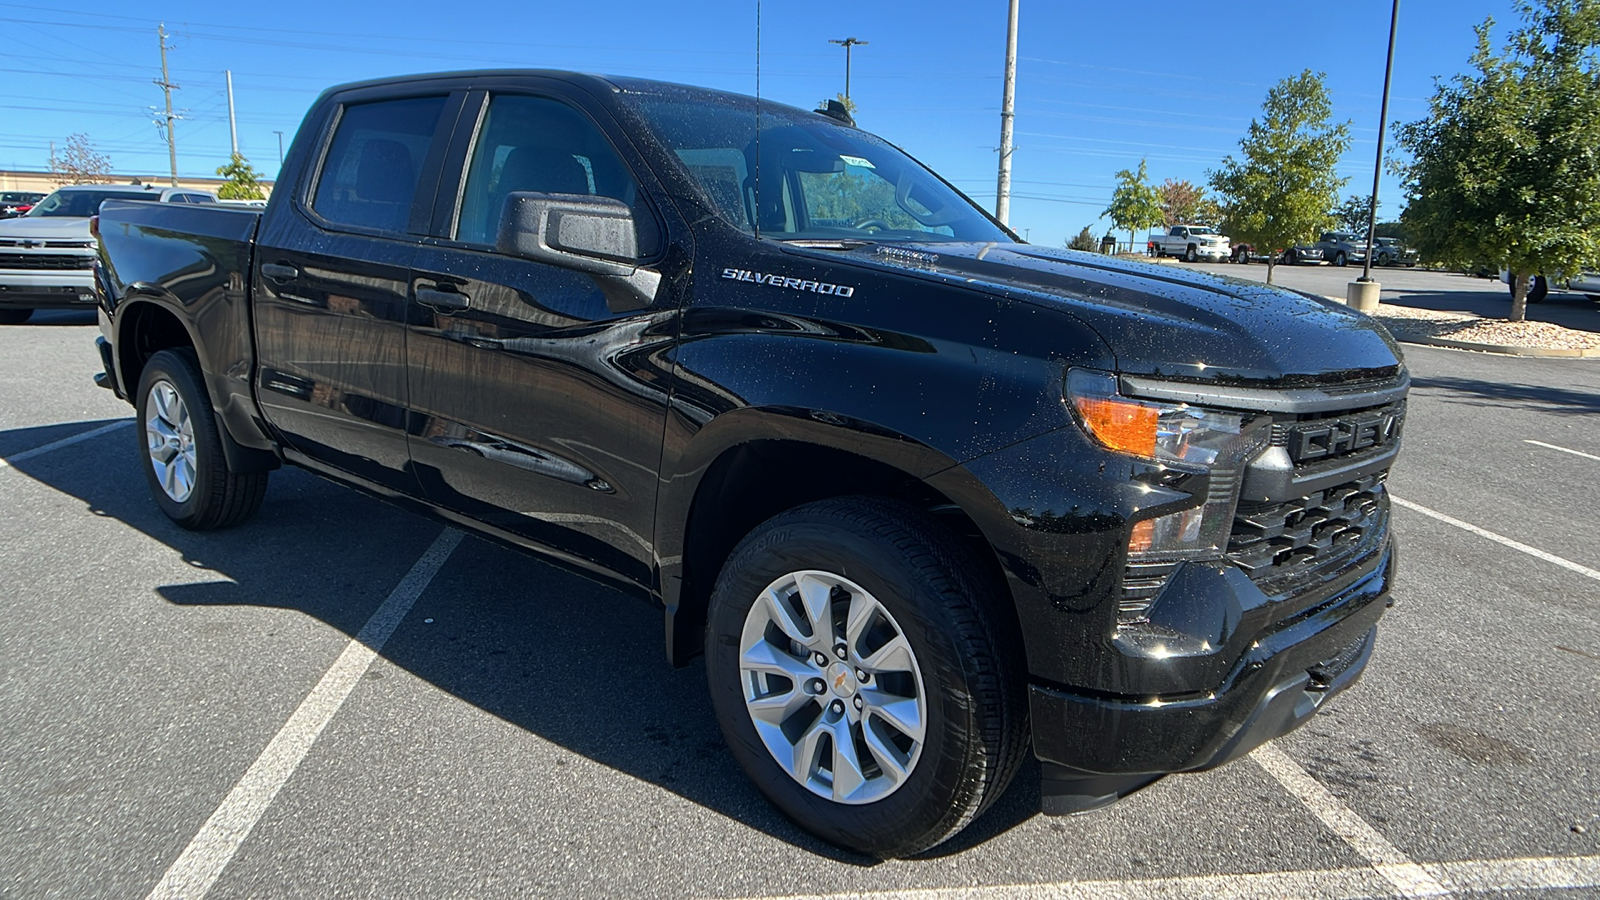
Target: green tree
[
  {"x": 1280, "y": 190},
  {"x": 1353, "y": 213},
  {"x": 1084, "y": 241},
  {"x": 243, "y": 183},
  {"x": 1504, "y": 168},
  {"x": 77, "y": 163},
  {"x": 1134, "y": 203}
]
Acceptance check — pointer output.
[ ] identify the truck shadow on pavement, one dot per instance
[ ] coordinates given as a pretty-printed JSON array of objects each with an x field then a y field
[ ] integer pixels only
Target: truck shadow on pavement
[
  {"x": 1509, "y": 395},
  {"x": 577, "y": 664}
]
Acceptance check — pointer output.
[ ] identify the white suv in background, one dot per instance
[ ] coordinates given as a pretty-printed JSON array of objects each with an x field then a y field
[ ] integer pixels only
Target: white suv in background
[{"x": 47, "y": 256}]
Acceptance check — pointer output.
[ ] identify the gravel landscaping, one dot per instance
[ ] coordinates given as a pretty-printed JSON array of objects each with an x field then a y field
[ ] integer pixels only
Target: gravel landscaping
[{"x": 1406, "y": 322}]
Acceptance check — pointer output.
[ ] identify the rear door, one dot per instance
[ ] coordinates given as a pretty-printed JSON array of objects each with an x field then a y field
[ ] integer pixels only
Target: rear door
[
  {"x": 332, "y": 283},
  {"x": 541, "y": 410}
]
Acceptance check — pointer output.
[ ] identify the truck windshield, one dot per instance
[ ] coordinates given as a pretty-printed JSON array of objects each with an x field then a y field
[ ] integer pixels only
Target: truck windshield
[
  {"x": 818, "y": 179},
  {"x": 84, "y": 203}
]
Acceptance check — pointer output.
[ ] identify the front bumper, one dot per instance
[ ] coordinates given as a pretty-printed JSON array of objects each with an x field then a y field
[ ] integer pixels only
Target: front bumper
[
  {"x": 47, "y": 289},
  {"x": 1273, "y": 688}
]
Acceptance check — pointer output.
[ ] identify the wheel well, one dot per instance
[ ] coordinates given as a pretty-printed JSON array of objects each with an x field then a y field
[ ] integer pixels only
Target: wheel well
[
  {"x": 753, "y": 482},
  {"x": 146, "y": 330}
]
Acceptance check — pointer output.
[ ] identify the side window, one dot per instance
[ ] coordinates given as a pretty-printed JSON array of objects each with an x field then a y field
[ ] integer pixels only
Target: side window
[
  {"x": 369, "y": 177},
  {"x": 202, "y": 198},
  {"x": 178, "y": 198},
  {"x": 542, "y": 145}
]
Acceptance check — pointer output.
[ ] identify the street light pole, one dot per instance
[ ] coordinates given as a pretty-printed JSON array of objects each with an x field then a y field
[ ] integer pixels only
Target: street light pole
[
  {"x": 280, "y": 148},
  {"x": 847, "y": 43},
  {"x": 1363, "y": 293},
  {"x": 1383, "y": 115}
]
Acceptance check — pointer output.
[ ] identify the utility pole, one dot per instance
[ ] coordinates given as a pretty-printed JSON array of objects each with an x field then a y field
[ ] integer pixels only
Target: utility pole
[
  {"x": 1008, "y": 102},
  {"x": 233, "y": 128},
  {"x": 167, "y": 87},
  {"x": 1363, "y": 293},
  {"x": 280, "y": 148},
  {"x": 847, "y": 43}
]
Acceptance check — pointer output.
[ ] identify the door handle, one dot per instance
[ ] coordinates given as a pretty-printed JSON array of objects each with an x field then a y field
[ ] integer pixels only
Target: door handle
[
  {"x": 444, "y": 301},
  {"x": 279, "y": 272}
]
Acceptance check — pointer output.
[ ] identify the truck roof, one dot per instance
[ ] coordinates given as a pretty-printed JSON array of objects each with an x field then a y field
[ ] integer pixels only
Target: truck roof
[{"x": 599, "y": 84}]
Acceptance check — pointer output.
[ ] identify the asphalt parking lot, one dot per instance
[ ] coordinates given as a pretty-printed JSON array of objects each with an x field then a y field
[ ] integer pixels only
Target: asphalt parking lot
[{"x": 342, "y": 699}]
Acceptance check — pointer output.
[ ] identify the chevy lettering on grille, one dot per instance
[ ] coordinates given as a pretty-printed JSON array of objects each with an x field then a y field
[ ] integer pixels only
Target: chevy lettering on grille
[{"x": 1327, "y": 438}]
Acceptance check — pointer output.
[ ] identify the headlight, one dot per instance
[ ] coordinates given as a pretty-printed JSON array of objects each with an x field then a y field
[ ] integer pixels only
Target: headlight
[{"x": 1188, "y": 439}]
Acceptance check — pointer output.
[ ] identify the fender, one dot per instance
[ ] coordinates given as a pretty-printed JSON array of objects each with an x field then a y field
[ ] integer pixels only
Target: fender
[{"x": 245, "y": 443}]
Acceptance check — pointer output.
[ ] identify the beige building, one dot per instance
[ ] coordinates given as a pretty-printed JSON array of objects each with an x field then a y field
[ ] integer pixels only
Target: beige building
[{"x": 45, "y": 182}]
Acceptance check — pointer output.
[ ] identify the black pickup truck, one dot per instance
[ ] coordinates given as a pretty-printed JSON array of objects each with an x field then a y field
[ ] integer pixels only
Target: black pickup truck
[{"x": 926, "y": 497}]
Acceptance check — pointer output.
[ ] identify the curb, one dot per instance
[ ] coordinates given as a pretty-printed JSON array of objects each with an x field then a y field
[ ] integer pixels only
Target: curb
[{"x": 1502, "y": 349}]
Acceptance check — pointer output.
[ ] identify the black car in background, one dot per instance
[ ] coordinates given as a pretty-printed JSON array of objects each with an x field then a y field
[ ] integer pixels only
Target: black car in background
[{"x": 15, "y": 203}]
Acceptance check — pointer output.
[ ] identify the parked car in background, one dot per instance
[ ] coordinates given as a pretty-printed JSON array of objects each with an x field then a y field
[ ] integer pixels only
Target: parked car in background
[
  {"x": 1586, "y": 282},
  {"x": 16, "y": 203},
  {"x": 1301, "y": 253},
  {"x": 1388, "y": 251},
  {"x": 1342, "y": 247},
  {"x": 47, "y": 256},
  {"x": 1191, "y": 243}
]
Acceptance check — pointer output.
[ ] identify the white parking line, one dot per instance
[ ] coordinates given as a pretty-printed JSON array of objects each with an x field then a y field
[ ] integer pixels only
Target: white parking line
[
  {"x": 1563, "y": 450},
  {"x": 1548, "y": 873},
  {"x": 1395, "y": 867},
  {"x": 1500, "y": 539},
  {"x": 6, "y": 462},
  {"x": 201, "y": 863}
]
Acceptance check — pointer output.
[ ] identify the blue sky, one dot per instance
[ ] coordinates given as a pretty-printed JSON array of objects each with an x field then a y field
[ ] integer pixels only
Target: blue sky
[{"x": 1099, "y": 86}]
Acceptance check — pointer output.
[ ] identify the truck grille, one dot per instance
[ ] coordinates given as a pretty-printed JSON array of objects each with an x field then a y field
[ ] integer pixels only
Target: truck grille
[
  {"x": 1288, "y": 548},
  {"x": 1310, "y": 440},
  {"x": 45, "y": 261}
]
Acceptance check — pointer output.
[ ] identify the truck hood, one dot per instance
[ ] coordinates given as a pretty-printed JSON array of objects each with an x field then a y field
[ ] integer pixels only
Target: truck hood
[
  {"x": 1165, "y": 320},
  {"x": 51, "y": 228}
]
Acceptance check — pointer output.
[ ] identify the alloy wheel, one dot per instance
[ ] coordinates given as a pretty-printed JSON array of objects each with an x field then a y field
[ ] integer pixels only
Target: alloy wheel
[
  {"x": 169, "y": 438},
  {"x": 832, "y": 687}
]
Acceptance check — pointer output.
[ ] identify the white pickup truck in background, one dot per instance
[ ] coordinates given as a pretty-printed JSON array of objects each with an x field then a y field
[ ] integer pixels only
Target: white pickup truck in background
[{"x": 1191, "y": 243}]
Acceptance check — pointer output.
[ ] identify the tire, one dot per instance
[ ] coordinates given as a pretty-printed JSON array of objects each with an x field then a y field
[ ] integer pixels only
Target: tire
[
  {"x": 1537, "y": 290},
  {"x": 1339, "y": 259},
  {"x": 1241, "y": 256},
  {"x": 14, "y": 316},
  {"x": 193, "y": 484},
  {"x": 1191, "y": 256},
  {"x": 1288, "y": 257},
  {"x": 959, "y": 668}
]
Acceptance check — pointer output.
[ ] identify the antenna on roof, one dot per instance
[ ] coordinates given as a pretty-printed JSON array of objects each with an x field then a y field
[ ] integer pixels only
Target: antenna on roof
[{"x": 755, "y": 214}]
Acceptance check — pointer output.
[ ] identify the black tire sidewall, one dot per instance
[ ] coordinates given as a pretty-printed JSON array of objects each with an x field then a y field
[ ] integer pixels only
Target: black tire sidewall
[
  {"x": 178, "y": 369},
  {"x": 897, "y": 823}
]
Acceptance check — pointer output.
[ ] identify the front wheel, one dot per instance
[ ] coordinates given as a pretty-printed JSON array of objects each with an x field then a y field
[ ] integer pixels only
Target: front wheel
[
  {"x": 1339, "y": 259},
  {"x": 1191, "y": 256},
  {"x": 182, "y": 449},
  {"x": 861, "y": 677}
]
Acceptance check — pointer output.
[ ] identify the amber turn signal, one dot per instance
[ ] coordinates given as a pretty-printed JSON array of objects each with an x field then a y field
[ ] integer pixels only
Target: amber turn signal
[{"x": 1119, "y": 424}]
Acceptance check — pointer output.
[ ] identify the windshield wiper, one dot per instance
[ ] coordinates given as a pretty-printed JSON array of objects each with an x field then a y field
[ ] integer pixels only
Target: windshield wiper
[{"x": 828, "y": 243}]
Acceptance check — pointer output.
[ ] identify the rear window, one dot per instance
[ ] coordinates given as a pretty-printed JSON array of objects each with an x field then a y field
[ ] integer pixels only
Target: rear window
[{"x": 369, "y": 177}]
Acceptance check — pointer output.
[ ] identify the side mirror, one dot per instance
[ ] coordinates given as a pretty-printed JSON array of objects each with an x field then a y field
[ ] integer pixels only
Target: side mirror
[{"x": 583, "y": 233}]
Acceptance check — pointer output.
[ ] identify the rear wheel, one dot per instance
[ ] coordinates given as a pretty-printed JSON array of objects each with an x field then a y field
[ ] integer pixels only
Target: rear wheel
[
  {"x": 860, "y": 678},
  {"x": 1241, "y": 256},
  {"x": 1538, "y": 288},
  {"x": 182, "y": 449},
  {"x": 14, "y": 316}
]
